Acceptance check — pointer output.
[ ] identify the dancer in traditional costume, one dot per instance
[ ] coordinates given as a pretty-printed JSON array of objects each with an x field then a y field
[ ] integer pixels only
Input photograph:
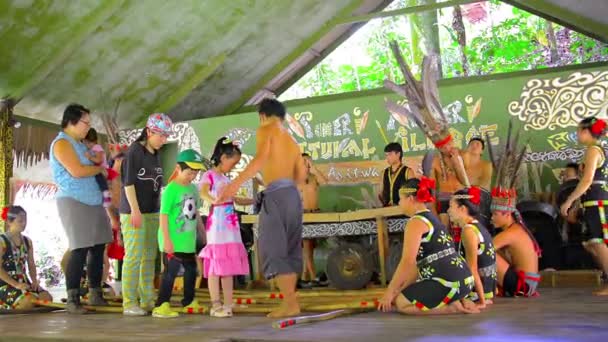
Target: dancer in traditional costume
[
  {"x": 17, "y": 291},
  {"x": 517, "y": 249},
  {"x": 431, "y": 278},
  {"x": 395, "y": 175},
  {"x": 279, "y": 158},
  {"x": 592, "y": 189},
  {"x": 476, "y": 243}
]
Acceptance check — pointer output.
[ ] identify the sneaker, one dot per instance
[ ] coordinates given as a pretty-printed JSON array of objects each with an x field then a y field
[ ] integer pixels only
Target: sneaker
[
  {"x": 221, "y": 312},
  {"x": 164, "y": 311},
  {"x": 134, "y": 311},
  {"x": 193, "y": 308}
]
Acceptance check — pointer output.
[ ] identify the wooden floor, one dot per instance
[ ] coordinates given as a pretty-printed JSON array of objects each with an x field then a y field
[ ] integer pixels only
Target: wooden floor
[{"x": 559, "y": 314}]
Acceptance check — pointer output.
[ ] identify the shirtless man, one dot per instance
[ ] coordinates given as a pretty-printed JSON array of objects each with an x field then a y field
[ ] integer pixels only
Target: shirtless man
[
  {"x": 478, "y": 170},
  {"x": 517, "y": 256},
  {"x": 310, "y": 199},
  {"x": 449, "y": 179},
  {"x": 280, "y": 206}
]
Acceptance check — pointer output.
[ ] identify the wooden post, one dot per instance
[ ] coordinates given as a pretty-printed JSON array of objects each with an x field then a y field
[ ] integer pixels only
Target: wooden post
[
  {"x": 382, "y": 247},
  {"x": 6, "y": 152}
]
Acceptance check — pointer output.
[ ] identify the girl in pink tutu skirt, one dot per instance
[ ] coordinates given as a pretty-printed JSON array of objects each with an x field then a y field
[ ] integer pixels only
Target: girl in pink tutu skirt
[{"x": 224, "y": 256}]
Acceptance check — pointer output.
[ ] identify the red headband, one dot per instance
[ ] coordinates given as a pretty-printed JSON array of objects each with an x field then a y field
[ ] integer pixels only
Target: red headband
[
  {"x": 598, "y": 126},
  {"x": 443, "y": 142}
]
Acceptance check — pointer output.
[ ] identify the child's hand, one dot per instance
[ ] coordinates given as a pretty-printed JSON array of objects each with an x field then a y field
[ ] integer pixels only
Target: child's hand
[
  {"x": 168, "y": 247},
  {"x": 87, "y": 155}
]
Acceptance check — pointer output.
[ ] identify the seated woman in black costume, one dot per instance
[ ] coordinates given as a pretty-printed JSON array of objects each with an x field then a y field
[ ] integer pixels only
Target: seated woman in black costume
[
  {"x": 476, "y": 243},
  {"x": 431, "y": 278},
  {"x": 17, "y": 291}
]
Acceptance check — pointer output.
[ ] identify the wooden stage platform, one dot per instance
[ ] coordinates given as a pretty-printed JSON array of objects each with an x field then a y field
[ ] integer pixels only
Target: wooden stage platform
[{"x": 557, "y": 315}]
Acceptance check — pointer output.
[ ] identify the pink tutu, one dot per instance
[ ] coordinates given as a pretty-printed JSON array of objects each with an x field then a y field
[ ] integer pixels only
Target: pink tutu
[{"x": 227, "y": 259}]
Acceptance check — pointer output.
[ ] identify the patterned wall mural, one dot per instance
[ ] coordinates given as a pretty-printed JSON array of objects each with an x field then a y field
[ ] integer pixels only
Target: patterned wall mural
[{"x": 346, "y": 135}]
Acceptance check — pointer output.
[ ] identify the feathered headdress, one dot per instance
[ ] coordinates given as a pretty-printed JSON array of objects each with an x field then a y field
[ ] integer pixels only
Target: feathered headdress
[
  {"x": 507, "y": 164},
  {"x": 111, "y": 126},
  {"x": 423, "y": 105}
]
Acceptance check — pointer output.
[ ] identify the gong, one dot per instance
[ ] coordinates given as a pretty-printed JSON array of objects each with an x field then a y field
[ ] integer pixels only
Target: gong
[
  {"x": 394, "y": 256},
  {"x": 541, "y": 219},
  {"x": 349, "y": 267}
]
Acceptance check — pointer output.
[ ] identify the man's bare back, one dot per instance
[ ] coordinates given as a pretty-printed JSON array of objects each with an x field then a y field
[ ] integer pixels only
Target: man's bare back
[
  {"x": 284, "y": 160},
  {"x": 520, "y": 248}
]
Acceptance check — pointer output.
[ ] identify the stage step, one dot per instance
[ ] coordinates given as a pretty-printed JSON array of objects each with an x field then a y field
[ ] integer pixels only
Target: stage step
[{"x": 571, "y": 278}]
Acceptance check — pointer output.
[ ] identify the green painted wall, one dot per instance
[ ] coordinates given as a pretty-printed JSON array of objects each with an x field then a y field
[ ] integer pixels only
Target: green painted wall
[{"x": 546, "y": 104}]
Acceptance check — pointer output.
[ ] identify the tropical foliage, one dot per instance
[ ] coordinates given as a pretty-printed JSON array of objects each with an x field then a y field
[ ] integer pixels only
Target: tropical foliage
[{"x": 506, "y": 39}]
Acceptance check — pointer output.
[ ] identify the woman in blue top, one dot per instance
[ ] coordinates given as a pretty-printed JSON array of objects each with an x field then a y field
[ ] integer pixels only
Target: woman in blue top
[{"x": 79, "y": 202}]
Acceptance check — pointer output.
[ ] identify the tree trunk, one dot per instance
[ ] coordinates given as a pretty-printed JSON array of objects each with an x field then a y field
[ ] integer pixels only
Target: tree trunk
[
  {"x": 424, "y": 29},
  {"x": 415, "y": 30},
  {"x": 430, "y": 32},
  {"x": 552, "y": 41},
  {"x": 458, "y": 26}
]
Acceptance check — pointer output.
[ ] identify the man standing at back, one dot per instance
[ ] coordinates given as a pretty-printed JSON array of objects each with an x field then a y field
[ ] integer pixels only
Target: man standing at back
[{"x": 279, "y": 159}]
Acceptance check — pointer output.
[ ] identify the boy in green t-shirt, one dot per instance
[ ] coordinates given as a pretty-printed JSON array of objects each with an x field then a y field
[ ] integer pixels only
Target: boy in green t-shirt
[{"x": 179, "y": 221}]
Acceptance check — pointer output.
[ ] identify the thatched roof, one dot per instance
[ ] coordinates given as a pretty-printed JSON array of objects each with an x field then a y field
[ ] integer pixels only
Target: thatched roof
[{"x": 31, "y": 142}]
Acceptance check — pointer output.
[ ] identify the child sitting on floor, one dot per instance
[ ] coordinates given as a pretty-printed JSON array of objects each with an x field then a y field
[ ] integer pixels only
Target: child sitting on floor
[
  {"x": 179, "y": 221},
  {"x": 224, "y": 256},
  {"x": 17, "y": 292}
]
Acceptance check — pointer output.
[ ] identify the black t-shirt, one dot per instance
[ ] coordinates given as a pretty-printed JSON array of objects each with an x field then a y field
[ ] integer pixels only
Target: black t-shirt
[{"x": 143, "y": 170}]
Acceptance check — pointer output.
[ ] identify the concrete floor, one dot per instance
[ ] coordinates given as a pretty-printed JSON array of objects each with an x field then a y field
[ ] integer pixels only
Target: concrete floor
[{"x": 558, "y": 315}]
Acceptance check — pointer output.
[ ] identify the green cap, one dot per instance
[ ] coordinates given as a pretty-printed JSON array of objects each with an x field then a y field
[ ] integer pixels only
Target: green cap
[{"x": 191, "y": 158}]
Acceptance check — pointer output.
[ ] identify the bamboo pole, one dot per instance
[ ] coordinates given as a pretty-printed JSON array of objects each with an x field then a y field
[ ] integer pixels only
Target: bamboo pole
[
  {"x": 110, "y": 309},
  {"x": 311, "y": 307},
  {"x": 289, "y": 322},
  {"x": 301, "y": 293}
]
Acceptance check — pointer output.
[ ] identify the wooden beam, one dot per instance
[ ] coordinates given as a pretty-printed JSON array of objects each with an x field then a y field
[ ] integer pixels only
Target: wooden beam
[
  {"x": 6, "y": 153},
  {"x": 383, "y": 248},
  {"x": 564, "y": 17},
  {"x": 404, "y": 11},
  {"x": 291, "y": 57},
  {"x": 87, "y": 26}
]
